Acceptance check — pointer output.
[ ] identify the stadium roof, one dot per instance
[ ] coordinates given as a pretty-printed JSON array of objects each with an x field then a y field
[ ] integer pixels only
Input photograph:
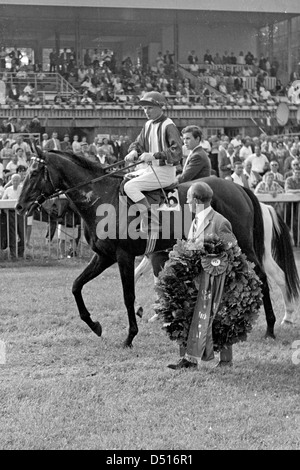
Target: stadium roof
[{"x": 267, "y": 6}]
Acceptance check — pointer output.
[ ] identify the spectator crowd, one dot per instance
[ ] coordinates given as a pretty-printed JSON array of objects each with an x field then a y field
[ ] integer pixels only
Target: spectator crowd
[
  {"x": 217, "y": 80},
  {"x": 264, "y": 164}
]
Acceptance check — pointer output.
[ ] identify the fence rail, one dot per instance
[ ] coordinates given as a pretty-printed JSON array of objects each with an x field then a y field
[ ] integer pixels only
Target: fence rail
[
  {"x": 288, "y": 206},
  {"x": 61, "y": 238},
  {"x": 49, "y": 238}
]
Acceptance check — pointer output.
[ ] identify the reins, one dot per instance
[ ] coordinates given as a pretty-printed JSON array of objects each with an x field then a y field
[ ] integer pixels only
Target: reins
[{"x": 42, "y": 198}]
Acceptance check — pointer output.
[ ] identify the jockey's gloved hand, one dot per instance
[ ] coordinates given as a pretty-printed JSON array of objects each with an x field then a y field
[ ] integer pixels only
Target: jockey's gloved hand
[
  {"x": 131, "y": 156},
  {"x": 147, "y": 157}
]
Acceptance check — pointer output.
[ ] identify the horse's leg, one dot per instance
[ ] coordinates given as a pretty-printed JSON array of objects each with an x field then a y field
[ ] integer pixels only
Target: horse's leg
[
  {"x": 126, "y": 267},
  {"x": 283, "y": 274},
  {"x": 265, "y": 290},
  {"x": 139, "y": 271},
  {"x": 142, "y": 268},
  {"x": 96, "y": 266},
  {"x": 158, "y": 260},
  {"x": 275, "y": 273},
  {"x": 269, "y": 312}
]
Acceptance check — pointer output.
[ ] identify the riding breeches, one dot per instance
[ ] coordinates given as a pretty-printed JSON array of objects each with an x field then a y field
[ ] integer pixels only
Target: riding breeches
[{"x": 148, "y": 181}]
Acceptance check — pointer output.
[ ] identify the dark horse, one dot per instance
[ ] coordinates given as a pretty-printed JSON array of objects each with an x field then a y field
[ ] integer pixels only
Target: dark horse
[{"x": 75, "y": 176}]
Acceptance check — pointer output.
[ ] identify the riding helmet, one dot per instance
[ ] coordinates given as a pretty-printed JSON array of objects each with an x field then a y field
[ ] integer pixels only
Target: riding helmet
[{"x": 153, "y": 98}]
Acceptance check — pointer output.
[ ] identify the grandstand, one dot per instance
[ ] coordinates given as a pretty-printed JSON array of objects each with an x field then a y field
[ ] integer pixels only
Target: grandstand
[{"x": 139, "y": 32}]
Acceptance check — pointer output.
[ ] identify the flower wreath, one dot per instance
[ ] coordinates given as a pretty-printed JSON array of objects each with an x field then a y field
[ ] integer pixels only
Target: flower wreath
[{"x": 177, "y": 290}]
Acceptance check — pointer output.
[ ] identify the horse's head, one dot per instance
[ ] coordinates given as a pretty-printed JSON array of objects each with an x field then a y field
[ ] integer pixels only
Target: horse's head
[{"x": 37, "y": 186}]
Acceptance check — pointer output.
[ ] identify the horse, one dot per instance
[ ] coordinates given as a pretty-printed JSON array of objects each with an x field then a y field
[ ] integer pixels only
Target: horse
[{"x": 94, "y": 192}]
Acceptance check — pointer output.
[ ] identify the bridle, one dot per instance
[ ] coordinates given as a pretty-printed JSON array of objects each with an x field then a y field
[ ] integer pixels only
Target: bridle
[{"x": 37, "y": 204}]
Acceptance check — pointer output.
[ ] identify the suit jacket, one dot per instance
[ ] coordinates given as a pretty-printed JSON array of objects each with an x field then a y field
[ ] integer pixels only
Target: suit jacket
[
  {"x": 124, "y": 149},
  {"x": 50, "y": 144},
  {"x": 65, "y": 146},
  {"x": 197, "y": 165},
  {"x": 214, "y": 224},
  {"x": 116, "y": 148},
  {"x": 223, "y": 161}
]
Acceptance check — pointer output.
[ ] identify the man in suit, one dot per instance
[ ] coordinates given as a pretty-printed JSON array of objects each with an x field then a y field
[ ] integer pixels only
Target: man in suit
[
  {"x": 206, "y": 222},
  {"x": 124, "y": 146},
  {"x": 224, "y": 162},
  {"x": 197, "y": 164},
  {"x": 44, "y": 142},
  {"x": 115, "y": 146},
  {"x": 66, "y": 144},
  {"x": 53, "y": 58},
  {"x": 53, "y": 143}
]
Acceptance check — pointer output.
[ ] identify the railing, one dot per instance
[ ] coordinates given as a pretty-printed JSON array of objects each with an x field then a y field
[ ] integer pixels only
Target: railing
[
  {"x": 48, "y": 238},
  {"x": 249, "y": 82},
  {"x": 44, "y": 82},
  {"x": 129, "y": 111},
  {"x": 232, "y": 68},
  {"x": 288, "y": 205}
]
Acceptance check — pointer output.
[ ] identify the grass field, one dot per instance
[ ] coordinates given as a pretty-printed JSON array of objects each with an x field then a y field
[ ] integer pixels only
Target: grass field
[{"x": 62, "y": 387}]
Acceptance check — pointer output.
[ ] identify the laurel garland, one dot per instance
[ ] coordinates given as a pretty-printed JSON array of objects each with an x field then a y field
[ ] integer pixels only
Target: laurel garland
[{"x": 177, "y": 291}]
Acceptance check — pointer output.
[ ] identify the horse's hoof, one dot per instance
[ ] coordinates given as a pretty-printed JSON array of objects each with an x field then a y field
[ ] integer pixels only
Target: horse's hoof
[
  {"x": 269, "y": 335},
  {"x": 139, "y": 312},
  {"x": 97, "y": 329}
]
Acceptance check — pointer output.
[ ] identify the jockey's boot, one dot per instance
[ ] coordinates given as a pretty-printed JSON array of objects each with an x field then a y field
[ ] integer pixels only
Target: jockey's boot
[
  {"x": 225, "y": 357},
  {"x": 149, "y": 218}
]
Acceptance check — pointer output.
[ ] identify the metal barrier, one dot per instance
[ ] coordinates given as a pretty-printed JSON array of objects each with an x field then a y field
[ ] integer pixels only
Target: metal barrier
[
  {"x": 288, "y": 206},
  {"x": 41, "y": 237},
  {"x": 56, "y": 238}
]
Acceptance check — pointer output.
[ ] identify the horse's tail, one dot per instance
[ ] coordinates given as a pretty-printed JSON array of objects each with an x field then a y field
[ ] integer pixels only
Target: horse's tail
[
  {"x": 258, "y": 227},
  {"x": 282, "y": 252}
]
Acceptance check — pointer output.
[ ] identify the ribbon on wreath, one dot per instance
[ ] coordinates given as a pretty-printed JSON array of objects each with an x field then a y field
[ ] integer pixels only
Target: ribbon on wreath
[{"x": 211, "y": 285}]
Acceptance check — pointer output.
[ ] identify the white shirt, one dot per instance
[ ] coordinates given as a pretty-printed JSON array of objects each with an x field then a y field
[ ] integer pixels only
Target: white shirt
[
  {"x": 245, "y": 152},
  {"x": 258, "y": 163},
  {"x": 205, "y": 145},
  {"x": 236, "y": 142},
  {"x": 237, "y": 179},
  {"x": 10, "y": 193}
]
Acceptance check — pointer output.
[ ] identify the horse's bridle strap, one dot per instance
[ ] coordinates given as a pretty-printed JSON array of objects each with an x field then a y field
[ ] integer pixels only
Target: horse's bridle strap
[{"x": 57, "y": 193}]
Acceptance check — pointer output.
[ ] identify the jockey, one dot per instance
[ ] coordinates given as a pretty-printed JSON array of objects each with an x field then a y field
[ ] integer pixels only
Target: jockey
[{"x": 159, "y": 144}]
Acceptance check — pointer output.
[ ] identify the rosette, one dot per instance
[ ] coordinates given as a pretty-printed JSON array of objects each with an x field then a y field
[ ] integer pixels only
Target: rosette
[{"x": 215, "y": 264}]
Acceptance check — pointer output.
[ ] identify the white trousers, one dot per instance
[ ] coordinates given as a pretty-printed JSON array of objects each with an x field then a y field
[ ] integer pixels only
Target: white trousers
[{"x": 147, "y": 181}]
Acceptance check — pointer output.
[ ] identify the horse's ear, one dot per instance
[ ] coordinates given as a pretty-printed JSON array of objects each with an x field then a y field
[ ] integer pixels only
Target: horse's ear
[{"x": 39, "y": 151}]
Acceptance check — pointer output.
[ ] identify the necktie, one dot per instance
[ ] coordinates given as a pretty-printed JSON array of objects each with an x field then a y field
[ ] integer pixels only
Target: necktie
[{"x": 195, "y": 226}]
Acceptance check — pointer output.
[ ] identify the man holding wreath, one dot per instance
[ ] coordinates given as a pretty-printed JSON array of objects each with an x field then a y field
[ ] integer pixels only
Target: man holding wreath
[{"x": 207, "y": 223}]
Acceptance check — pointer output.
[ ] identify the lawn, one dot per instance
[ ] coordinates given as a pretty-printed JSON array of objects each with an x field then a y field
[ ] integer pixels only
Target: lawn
[{"x": 62, "y": 387}]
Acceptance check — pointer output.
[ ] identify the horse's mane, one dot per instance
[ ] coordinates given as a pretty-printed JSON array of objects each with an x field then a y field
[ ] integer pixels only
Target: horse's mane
[{"x": 79, "y": 160}]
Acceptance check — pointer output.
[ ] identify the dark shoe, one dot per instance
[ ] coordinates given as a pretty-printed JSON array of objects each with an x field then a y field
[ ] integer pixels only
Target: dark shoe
[{"x": 183, "y": 364}]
